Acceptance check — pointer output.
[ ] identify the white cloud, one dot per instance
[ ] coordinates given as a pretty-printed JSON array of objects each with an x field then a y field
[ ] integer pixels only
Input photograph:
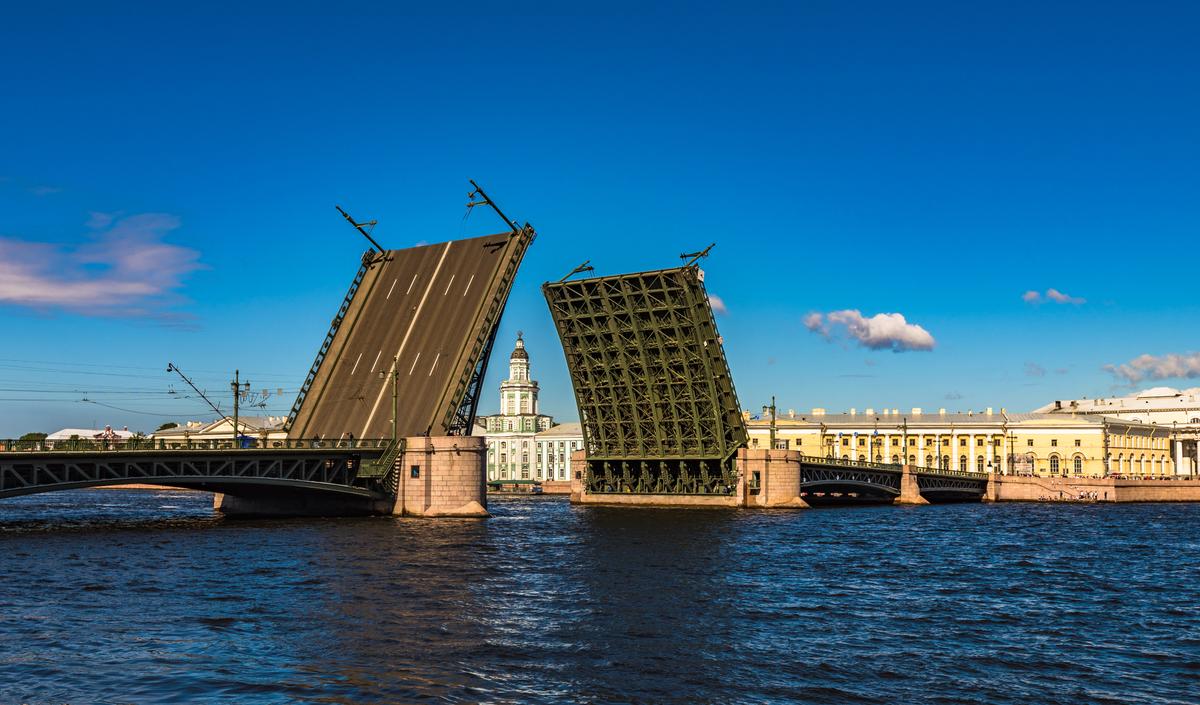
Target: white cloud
[
  {"x": 718, "y": 306},
  {"x": 1058, "y": 297},
  {"x": 1032, "y": 369},
  {"x": 1142, "y": 367},
  {"x": 883, "y": 331},
  {"x": 125, "y": 269}
]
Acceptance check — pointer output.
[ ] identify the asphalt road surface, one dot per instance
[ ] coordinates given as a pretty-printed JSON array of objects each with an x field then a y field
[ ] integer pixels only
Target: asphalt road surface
[{"x": 419, "y": 311}]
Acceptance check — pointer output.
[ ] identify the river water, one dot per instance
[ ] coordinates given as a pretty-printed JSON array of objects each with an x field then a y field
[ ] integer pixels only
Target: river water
[{"x": 146, "y": 597}]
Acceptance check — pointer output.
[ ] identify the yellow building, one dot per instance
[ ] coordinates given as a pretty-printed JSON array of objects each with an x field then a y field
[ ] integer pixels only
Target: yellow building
[{"x": 1037, "y": 443}]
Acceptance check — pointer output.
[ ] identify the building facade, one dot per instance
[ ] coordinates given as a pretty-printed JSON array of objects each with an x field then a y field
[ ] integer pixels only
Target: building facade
[
  {"x": 1034, "y": 443},
  {"x": 1164, "y": 407},
  {"x": 523, "y": 444}
]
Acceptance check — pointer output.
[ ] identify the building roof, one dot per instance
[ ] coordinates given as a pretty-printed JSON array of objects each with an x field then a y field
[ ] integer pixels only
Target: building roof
[
  {"x": 252, "y": 423},
  {"x": 562, "y": 430},
  {"x": 925, "y": 420},
  {"x": 66, "y": 433},
  {"x": 518, "y": 352}
]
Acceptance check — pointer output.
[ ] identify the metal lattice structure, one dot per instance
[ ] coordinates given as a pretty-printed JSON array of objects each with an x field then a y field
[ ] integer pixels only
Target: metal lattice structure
[
  {"x": 656, "y": 399},
  {"x": 338, "y": 471}
]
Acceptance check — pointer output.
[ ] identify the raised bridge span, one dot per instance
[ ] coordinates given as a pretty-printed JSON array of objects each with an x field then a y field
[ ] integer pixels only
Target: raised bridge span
[{"x": 412, "y": 335}]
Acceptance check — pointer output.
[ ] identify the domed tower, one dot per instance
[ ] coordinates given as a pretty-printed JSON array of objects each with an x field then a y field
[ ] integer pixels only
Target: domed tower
[{"x": 518, "y": 393}]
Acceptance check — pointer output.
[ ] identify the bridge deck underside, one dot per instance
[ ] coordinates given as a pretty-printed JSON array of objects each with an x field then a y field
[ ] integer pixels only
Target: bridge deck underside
[
  {"x": 434, "y": 310},
  {"x": 243, "y": 472},
  {"x": 656, "y": 399}
]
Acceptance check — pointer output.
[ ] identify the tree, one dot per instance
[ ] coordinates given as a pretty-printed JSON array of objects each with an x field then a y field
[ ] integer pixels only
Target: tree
[
  {"x": 34, "y": 437},
  {"x": 166, "y": 426}
]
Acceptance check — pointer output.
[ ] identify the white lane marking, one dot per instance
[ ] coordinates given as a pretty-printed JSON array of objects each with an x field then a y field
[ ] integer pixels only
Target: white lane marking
[
  {"x": 376, "y": 359},
  {"x": 468, "y": 285},
  {"x": 447, "y": 291},
  {"x": 414, "y": 365},
  {"x": 416, "y": 315},
  {"x": 410, "y": 285},
  {"x": 434, "y": 365},
  {"x": 356, "y": 363},
  {"x": 393, "y": 287}
]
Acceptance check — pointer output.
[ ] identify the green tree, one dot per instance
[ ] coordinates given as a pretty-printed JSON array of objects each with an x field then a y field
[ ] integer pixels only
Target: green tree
[
  {"x": 34, "y": 437},
  {"x": 166, "y": 426}
]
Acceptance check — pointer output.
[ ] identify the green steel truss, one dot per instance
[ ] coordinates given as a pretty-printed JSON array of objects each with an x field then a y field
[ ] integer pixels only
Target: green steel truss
[{"x": 655, "y": 396}]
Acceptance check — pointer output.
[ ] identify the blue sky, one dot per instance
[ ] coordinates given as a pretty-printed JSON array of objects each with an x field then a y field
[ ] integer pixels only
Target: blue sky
[{"x": 167, "y": 184}]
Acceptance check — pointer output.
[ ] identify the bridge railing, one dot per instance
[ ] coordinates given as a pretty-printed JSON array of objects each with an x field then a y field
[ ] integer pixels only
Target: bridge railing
[
  {"x": 847, "y": 463},
  {"x": 97, "y": 445}
]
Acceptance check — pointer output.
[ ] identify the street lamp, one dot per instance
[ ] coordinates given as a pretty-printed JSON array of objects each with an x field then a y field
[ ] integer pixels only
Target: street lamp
[{"x": 395, "y": 373}]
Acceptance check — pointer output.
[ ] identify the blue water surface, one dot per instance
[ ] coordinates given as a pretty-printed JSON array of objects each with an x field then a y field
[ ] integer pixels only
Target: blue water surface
[{"x": 127, "y": 596}]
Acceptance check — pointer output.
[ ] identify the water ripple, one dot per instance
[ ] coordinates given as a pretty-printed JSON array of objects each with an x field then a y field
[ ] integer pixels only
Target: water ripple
[{"x": 147, "y": 597}]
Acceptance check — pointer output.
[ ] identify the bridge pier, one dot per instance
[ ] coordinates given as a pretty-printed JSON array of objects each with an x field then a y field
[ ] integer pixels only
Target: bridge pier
[
  {"x": 297, "y": 504},
  {"x": 910, "y": 491},
  {"x": 442, "y": 476},
  {"x": 772, "y": 477}
]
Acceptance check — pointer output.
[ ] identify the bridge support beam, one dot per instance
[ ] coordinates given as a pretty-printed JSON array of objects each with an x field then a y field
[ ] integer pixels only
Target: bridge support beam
[{"x": 910, "y": 491}]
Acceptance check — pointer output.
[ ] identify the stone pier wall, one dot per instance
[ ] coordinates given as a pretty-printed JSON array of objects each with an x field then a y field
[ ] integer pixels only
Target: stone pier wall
[
  {"x": 1018, "y": 488},
  {"x": 442, "y": 476},
  {"x": 778, "y": 477}
]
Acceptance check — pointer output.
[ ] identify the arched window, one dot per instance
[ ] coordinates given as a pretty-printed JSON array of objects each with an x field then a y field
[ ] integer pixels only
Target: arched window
[
  {"x": 962, "y": 463},
  {"x": 929, "y": 461},
  {"x": 979, "y": 464},
  {"x": 912, "y": 460},
  {"x": 1054, "y": 464},
  {"x": 1078, "y": 465},
  {"x": 895, "y": 459},
  {"x": 945, "y": 462},
  {"x": 861, "y": 458}
]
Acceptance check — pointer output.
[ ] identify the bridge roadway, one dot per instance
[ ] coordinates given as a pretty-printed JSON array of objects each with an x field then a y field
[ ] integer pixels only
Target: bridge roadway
[
  {"x": 429, "y": 308},
  {"x": 284, "y": 468},
  {"x": 884, "y": 481}
]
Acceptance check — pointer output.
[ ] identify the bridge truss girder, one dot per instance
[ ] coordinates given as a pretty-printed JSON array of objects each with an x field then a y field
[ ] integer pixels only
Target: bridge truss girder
[
  {"x": 655, "y": 396},
  {"x": 237, "y": 471}
]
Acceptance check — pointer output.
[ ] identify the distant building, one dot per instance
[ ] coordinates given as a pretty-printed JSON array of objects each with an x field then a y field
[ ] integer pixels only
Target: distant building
[
  {"x": 108, "y": 434},
  {"x": 522, "y": 443},
  {"x": 1162, "y": 406},
  {"x": 1037, "y": 443},
  {"x": 258, "y": 427}
]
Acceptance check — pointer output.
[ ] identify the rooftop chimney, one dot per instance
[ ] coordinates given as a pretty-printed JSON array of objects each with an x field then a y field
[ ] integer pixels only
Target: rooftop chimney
[
  {"x": 916, "y": 411},
  {"x": 989, "y": 411},
  {"x": 942, "y": 411}
]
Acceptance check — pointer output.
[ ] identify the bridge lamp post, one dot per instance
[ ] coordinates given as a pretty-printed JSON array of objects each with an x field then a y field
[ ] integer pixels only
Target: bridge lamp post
[{"x": 395, "y": 374}]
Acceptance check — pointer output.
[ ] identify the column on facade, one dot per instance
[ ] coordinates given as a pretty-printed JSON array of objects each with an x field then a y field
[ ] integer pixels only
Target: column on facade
[
  {"x": 886, "y": 448},
  {"x": 972, "y": 460},
  {"x": 853, "y": 455},
  {"x": 1178, "y": 456},
  {"x": 920, "y": 449}
]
